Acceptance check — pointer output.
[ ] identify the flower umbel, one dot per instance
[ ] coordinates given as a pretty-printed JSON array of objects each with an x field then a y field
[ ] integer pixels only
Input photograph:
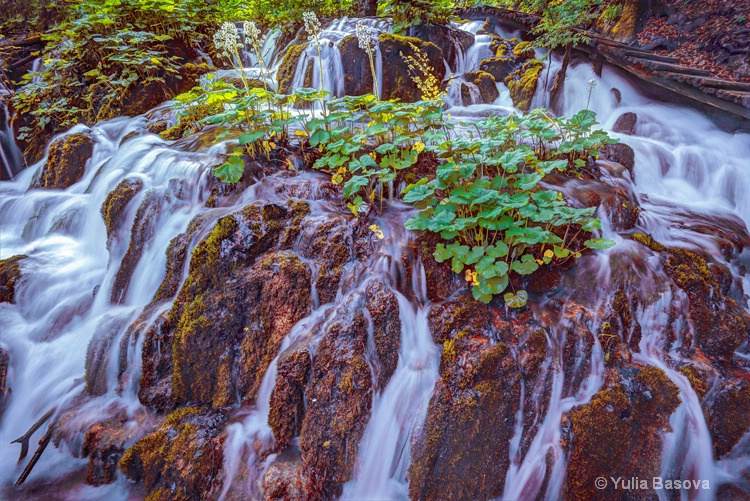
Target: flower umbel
[
  {"x": 365, "y": 37},
  {"x": 227, "y": 39},
  {"x": 312, "y": 25}
]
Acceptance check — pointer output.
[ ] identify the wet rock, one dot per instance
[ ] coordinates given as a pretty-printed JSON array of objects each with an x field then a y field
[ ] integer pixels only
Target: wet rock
[
  {"x": 451, "y": 41},
  {"x": 448, "y": 319},
  {"x": 66, "y": 161},
  {"x": 485, "y": 83},
  {"x": 357, "y": 71},
  {"x": 619, "y": 432},
  {"x": 438, "y": 276},
  {"x": 287, "y": 405},
  {"x": 462, "y": 450},
  {"x": 98, "y": 353},
  {"x": 397, "y": 82},
  {"x": 287, "y": 479},
  {"x": 522, "y": 83},
  {"x": 728, "y": 415},
  {"x": 288, "y": 67},
  {"x": 330, "y": 243},
  {"x": 155, "y": 388},
  {"x": 523, "y": 51},
  {"x": 339, "y": 398},
  {"x": 620, "y": 153},
  {"x": 5, "y": 390},
  {"x": 142, "y": 231},
  {"x": 719, "y": 323},
  {"x": 622, "y": 210},
  {"x": 116, "y": 201},
  {"x": 382, "y": 305},
  {"x": 182, "y": 459},
  {"x": 10, "y": 275},
  {"x": 625, "y": 123},
  {"x": 498, "y": 67}
]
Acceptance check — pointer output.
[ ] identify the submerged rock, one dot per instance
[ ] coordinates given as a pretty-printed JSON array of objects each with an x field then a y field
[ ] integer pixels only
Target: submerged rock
[{"x": 66, "y": 161}]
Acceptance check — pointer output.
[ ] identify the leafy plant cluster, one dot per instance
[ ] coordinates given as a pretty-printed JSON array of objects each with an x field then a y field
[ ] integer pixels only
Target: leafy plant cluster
[
  {"x": 103, "y": 48},
  {"x": 407, "y": 13}
]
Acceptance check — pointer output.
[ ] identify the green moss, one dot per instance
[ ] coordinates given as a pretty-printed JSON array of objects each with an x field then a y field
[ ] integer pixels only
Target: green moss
[
  {"x": 523, "y": 51},
  {"x": 117, "y": 200},
  {"x": 522, "y": 83},
  {"x": 288, "y": 66}
]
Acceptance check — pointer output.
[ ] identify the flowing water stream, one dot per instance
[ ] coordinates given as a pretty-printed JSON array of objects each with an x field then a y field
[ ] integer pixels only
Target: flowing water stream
[{"x": 686, "y": 171}]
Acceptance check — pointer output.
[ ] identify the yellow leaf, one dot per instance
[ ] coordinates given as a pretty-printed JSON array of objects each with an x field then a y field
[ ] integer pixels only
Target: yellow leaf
[
  {"x": 326, "y": 443},
  {"x": 548, "y": 253},
  {"x": 300, "y": 133}
]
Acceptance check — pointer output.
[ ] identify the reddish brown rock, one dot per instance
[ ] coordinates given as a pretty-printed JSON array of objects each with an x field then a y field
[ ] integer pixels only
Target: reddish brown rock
[
  {"x": 728, "y": 415},
  {"x": 10, "y": 275},
  {"x": 287, "y": 405},
  {"x": 619, "y": 432},
  {"x": 66, "y": 161}
]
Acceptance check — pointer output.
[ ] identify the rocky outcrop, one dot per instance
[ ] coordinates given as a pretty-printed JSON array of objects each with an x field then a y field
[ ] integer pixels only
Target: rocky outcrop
[
  {"x": 462, "y": 451},
  {"x": 619, "y": 432},
  {"x": 728, "y": 409},
  {"x": 522, "y": 83},
  {"x": 288, "y": 67},
  {"x": 66, "y": 161},
  {"x": 10, "y": 275},
  {"x": 115, "y": 203},
  {"x": 357, "y": 70},
  {"x": 451, "y": 41},
  {"x": 485, "y": 83},
  {"x": 182, "y": 459},
  {"x": 398, "y": 83}
]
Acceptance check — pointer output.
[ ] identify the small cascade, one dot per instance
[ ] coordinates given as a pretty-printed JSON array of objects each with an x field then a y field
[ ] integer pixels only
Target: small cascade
[{"x": 10, "y": 155}]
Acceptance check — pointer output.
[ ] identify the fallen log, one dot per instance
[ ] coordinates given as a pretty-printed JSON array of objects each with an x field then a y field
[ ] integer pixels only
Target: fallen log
[
  {"x": 42, "y": 445},
  {"x": 24, "y": 439}
]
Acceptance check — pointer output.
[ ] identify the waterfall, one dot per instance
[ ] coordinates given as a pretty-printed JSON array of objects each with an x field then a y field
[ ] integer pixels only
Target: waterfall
[{"x": 71, "y": 302}]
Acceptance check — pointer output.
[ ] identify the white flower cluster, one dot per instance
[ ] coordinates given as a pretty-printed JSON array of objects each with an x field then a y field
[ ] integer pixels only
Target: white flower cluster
[
  {"x": 252, "y": 33},
  {"x": 592, "y": 83},
  {"x": 227, "y": 39},
  {"x": 366, "y": 37},
  {"x": 312, "y": 25}
]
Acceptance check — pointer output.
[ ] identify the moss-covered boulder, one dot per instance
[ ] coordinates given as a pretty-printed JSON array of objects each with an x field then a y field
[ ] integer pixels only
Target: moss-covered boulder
[
  {"x": 339, "y": 398},
  {"x": 485, "y": 83},
  {"x": 462, "y": 451},
  {"x": 66, "y": 161},
  {"x": 398, "y": 83},
  {"x": 182, "y": 459},
  {"x": 287, "y": 405},
  {"x": 10, "y": 275},
  {"x": 242, "y": 295},
  {"x": 499, "y": 67},
  {"x": 619, "y": 432},
  {"x": 522, "y": 83},
  {"x": 115, "y": 203},
  {"x": 728, "y": 409},
  {"x": 288, "y": 67}
]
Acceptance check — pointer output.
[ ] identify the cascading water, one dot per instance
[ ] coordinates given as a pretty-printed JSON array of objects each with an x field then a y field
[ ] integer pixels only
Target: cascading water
[{"x": 686, "y": 169}]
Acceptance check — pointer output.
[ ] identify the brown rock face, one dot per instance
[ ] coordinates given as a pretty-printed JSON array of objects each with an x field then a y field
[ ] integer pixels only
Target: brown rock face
[
  {"x": 358, "y": 74},
  {"x": 397, "y": 82},
  {"x": 485, "y": 83},
  {"x": 446, "y": 38},
  {"x": 728, "y": 415},
  {"x": 287, "y": 406},
  {"x": 618, "y": 433},
  {"x": 462, "y": 450},
  {"x": 182, "y": 459},
  {"x": 339, "y": 397},
  {"x": 66, "y": 161},
  {"x": 10, "y": 274},
  {"x": 625, "y": 123},
  {"x": 116, "y": 201}
]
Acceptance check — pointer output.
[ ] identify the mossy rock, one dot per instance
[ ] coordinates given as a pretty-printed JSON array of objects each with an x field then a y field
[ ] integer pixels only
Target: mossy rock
[
  {"x": 115, "y": 203},
  {"x": 462, "y": 451},
  {"x": 728, "y": 416},
  {"x": 619, "y": 432},
  {"x": 66, "y": 161},
  {"x": 182, "y": 459},
  {"x": 10, "y": 275},
  {"x": 450, "y": 40},
  {"x": 499, "y": 67},
  {"x": 288, "y": 67},
  {"x": 485, "y": 83},
  {"x": 397, "y": 82},
  {"x": 287, "y": 404},
  {"x": 522, "y": 83},
  {"x": 523, "y": 51}
]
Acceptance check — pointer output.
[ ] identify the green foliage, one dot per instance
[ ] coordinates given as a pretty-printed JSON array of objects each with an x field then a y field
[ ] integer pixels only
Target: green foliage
[
  {"x": 101, "y": 51},
  {"x": 287, "y": 13},
  {"x": 486, "y": 202},
  {"x": 406, "y": 13}
]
